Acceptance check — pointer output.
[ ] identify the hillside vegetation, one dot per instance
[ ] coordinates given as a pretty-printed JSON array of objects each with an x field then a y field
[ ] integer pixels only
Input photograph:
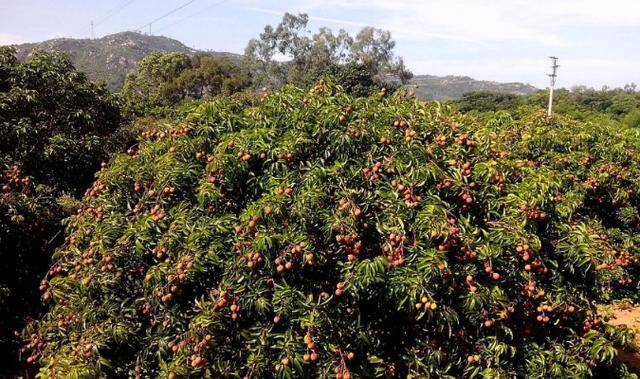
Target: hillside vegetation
[
  {"x": 450, "y": 87},
  {"x": 580, "y": 103},
  {"x": 309, "y": 233},
  {"x": 109, "y": 59}
]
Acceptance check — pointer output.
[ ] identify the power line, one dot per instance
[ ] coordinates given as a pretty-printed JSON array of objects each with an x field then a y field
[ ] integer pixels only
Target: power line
[
  {"x": 192, "y": 15},
  {"x": 165, "y": 15},
  {"x": 552, "y": 79},
  {"x": 113, "y": 12}
]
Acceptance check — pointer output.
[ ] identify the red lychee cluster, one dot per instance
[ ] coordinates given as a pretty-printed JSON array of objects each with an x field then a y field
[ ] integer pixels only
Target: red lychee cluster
[
  {"x": 253, "y": 260},
  {"x": 345, "y": 204},
  {"x": 311, "y": 355},
  {"x": 284, "y": 191},
  {"x": 341, "y": 370},
  {"x": 544, "y": 313},
  {"x": 395, "y": 249},
  {"x": 157, "y": 213},
  {"x": 441, "y": 140},
  {"x": 107, "y": 264},
  {"x": 464, "y": 140},
  {"x": 352, "y": 245},
  {"x": 13, "y": 179},
  {"x": 95, "y": 190},
  {"x": 35, "y": 346},
  {"x": 176, "y": 280},
  {"x": 402, "y": 124},
  {"x": 374, "y": 172},
  {"x": 530, "y": 290},
  {"x": 533, "y": 213},
  {"x": 445, "y": 184},
  {"x": 407, "y": 192},
  {"x": 243, "y": 156},
  {"x": 202, "y": 156},
  {"x": 95, "y": 212},
  {"x": 593, "y": 183}
]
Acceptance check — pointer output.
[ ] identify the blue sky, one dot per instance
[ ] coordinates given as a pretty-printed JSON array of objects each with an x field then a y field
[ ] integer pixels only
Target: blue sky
[{"x": 598, "y": 42}]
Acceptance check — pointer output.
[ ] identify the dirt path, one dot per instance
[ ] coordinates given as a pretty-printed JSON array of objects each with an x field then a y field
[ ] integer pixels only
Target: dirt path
[{"x": 629, "y": 315}]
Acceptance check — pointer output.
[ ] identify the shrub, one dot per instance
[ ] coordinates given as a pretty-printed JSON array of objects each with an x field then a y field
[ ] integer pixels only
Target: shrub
[
  {"x": 55, "y": 128},
  {"x": 165, "y": 79},
  {"x": 633, "y": 119},
  {"x": 488, "y": 102},
  {"x": 311, "y": 234}
]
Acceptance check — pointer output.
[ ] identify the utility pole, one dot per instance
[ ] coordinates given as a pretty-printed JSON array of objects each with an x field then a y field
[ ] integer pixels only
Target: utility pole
[
  {"x": 150, "y": 28},
  {"x": 92, "y": 35},
  {"x": 552, "y": 77}
]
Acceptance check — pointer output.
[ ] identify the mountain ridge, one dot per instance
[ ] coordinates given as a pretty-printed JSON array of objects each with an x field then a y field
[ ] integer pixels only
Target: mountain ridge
[
  {"x": 110, "y": 58},
  {"x": 452, "y": 87}
]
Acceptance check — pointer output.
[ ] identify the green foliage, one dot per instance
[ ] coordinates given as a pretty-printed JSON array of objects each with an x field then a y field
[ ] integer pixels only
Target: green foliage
[
  {"x": 580, "y": 103},
  {"x": 151, "y": 84},
  {"x": 54, "y": 123},
  {"x": 368, "y": 57},
  {"x": 107, "y": 59},
  {"x": 210, "y": 75},
  {"x": 308, "y": 234},
  {"x": 488, "y": 102},
  {"x": 584, "y": 103},
  {"x": 632, "y": 119},
  {"x": 356, "y": 79},
  {"x": 165, "y": 79},
  {"x": 55, "y": 128}
]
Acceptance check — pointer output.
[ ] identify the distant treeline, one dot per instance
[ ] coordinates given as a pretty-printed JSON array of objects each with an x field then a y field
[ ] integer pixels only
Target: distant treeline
[{"x": 582, "y": 103}]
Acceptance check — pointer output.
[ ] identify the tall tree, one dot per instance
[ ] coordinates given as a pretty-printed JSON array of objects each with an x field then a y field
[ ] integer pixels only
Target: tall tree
[
  {"x": 149, "y": 85},
  {"x": 290, "y": 53},
  {"x": 164, "y": 79}
]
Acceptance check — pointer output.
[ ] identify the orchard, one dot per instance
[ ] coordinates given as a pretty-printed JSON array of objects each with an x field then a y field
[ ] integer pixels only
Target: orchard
[{"x": 312, "y": 234}]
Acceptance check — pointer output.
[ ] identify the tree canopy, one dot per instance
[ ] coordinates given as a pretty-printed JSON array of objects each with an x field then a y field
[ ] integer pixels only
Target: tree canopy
[
  {"x": 165, "y": 79},
  {"x": 55, "y": 129},
  {"x": 581, "y": 103},
  {"x": 289, "y": 53},
  {"x": 313, "y": 234}
]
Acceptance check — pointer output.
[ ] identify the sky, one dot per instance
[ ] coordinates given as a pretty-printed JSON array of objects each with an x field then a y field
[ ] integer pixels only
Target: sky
[{"x": 598, "y": 42}]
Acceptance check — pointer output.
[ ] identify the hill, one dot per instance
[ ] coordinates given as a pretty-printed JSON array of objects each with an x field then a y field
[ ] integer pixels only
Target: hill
[
  {"x": 110, "y": 58},
  {"x": 453, "y": 87}
]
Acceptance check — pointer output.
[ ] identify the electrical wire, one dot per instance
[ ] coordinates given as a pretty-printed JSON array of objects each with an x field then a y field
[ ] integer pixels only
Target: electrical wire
[
  {"x": 166, "y": 14},
  {"x": 191, "y": 16},
  {"x": 112, "y": 13}
]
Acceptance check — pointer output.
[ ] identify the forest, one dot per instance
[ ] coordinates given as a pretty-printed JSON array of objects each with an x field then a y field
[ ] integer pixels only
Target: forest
[{"x": 311, "y": 218}]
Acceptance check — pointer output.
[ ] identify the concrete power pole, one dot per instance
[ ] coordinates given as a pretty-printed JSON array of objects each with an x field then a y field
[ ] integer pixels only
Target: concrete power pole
[
  {"x": 552, "y": 77},
  {"x": 92, "y": 35}
]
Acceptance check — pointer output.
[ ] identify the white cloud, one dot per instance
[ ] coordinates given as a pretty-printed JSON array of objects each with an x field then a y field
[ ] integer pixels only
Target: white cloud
[
  {"x": 10, "y": 39},
  {"x": 409, "y": 20},
  {"x": 590, "y": 12},
  {"x": 486, "y": 21}
]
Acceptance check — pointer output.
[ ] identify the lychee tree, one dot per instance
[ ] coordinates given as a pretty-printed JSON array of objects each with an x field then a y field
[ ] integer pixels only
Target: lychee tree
[
  {"x": 311, "y": 234},
  {"x": 55, "y": 129}
]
